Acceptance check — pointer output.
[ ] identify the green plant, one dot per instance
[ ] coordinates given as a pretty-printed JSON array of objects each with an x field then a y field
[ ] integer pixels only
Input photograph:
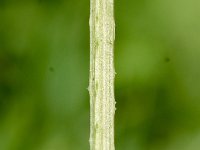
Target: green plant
[{"x": 101, "y": 88}]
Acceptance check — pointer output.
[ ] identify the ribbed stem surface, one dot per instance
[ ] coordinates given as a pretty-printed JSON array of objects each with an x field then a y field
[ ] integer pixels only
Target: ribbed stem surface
[{"x": 101, "y": 88}]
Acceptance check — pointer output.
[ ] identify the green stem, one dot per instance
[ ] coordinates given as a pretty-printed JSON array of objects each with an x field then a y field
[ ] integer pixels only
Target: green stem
[{"x": 101, "y": 88}]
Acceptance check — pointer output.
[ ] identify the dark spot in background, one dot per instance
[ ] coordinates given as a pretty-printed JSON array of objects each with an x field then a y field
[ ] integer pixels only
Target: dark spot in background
[
  {"x": 167, "y": 59},
  {"x": 51, "y": 69}
]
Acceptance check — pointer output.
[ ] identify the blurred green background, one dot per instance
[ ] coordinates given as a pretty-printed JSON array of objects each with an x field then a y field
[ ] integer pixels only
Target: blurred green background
[{"x": 44, "y": 69}]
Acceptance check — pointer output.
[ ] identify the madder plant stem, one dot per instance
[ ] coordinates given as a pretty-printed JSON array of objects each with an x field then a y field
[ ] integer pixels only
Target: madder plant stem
[{"x": 101, "y": 87}]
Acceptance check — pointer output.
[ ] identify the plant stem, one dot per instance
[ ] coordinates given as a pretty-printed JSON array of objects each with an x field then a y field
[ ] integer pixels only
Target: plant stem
[{"x": 101, "y": 88}]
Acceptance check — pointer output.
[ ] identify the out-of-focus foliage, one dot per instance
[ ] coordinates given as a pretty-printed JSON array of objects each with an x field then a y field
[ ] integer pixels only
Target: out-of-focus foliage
[{"x": 44, "y": 69}]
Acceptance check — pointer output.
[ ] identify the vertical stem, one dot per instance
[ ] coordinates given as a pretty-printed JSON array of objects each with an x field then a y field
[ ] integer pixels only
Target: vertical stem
[{"x": 101, "y": 88}]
